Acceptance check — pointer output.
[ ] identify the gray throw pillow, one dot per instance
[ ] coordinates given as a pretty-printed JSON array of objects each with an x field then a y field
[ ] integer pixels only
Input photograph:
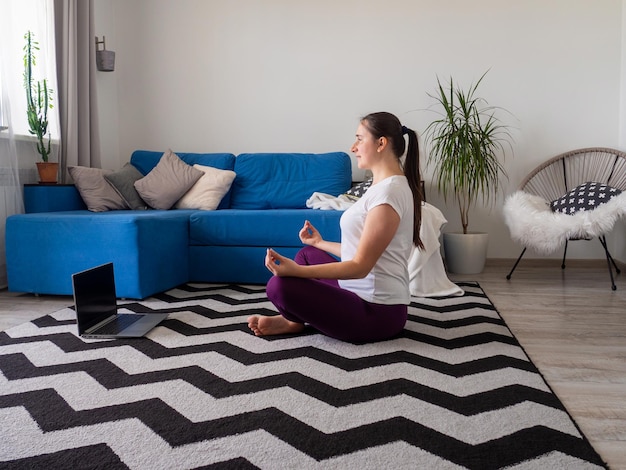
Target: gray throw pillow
[
  {"x": 167, "y": 182},
  {"x": 123, "y": 181},
  {"x": 97, "y": 194}
]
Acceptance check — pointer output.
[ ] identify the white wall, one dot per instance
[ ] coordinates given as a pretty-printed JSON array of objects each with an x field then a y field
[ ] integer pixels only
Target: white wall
[
  {"x": 295, "y": 75},
  {"x": 618, "y": 239}
]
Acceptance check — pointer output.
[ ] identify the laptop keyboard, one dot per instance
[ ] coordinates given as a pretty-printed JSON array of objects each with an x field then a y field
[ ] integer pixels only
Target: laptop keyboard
[{"x": 121, "y": 322}]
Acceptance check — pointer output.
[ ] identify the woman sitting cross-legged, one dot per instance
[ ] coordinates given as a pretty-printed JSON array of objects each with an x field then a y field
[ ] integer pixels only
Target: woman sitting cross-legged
[{"x": 364, "y": 296}]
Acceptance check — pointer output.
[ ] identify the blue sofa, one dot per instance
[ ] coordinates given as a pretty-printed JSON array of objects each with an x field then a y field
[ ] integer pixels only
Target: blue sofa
[{"x": 156, "y": 250}]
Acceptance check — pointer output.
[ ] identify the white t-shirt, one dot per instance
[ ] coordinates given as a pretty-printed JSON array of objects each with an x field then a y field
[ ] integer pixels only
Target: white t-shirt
[{"x": 388, "y": 282}]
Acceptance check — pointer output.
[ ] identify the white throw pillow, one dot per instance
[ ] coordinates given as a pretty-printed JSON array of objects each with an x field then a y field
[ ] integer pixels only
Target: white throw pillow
[{"x": 209, "y": 190}]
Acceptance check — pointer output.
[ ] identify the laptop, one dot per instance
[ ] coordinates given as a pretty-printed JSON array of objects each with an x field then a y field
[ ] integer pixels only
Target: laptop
[{"x": 95, "y": 302}]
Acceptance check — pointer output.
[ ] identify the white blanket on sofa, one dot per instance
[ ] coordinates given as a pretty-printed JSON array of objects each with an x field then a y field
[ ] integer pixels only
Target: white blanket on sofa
[
  {"x": 427, "y": 275},
  {"x": 329, "y": 202}
]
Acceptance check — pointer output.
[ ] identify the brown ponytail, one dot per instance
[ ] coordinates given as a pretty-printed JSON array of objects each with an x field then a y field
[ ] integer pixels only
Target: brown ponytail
[
  {"x": 414, "y": 177},
  {"x": 387, "y": 125}
]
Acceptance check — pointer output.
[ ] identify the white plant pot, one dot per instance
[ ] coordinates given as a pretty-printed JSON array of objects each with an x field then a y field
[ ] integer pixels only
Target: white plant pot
[{"x": 465, "y": 253}]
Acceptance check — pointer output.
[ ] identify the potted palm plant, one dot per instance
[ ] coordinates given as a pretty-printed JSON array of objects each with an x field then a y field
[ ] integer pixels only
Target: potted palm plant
[
  {"x": 38, "y": 102},
  {"x": 466, "y": 143}
]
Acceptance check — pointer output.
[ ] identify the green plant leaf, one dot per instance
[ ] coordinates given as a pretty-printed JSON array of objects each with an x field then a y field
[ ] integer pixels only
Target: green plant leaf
[
  {"x": 465, "y": 146},
  {"x": 38, "y": 98}
]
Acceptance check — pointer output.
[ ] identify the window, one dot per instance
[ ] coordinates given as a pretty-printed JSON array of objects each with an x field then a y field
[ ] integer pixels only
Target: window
[
  {"x": 18, "y": 17},
  {"x": 2, "y": 125}
]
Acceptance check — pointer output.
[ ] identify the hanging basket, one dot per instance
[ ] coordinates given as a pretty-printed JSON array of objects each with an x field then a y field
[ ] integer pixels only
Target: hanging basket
[{"x": 48, "y": 172}]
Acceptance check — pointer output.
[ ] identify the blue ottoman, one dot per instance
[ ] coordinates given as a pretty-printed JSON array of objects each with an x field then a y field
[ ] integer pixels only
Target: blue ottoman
[{"x": 149, "y": 250}]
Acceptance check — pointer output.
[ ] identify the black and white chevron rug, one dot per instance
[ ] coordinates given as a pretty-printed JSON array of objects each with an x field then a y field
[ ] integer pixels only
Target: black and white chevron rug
[{"x": 455, "y": 390}]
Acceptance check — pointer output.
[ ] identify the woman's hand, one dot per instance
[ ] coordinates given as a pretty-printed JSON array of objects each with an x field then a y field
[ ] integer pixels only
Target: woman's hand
[
  {"x": 280, "y": 265},
  {"x": 309, "y": 234}
]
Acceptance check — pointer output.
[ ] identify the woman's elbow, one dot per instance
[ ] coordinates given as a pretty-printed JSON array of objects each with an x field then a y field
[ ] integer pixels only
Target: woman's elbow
[{"x": 360, "y": 271}]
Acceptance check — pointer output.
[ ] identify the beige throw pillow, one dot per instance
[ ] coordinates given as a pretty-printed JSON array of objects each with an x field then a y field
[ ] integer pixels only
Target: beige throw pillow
[
  {"x": 209, "y": 190},
  {"x": 167, "y": 181},
  {"x": 96, "y": 192}
]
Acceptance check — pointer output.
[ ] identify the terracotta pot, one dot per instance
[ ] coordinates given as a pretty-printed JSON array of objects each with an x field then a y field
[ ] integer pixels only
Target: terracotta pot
[{"x": 48, "y": 172}]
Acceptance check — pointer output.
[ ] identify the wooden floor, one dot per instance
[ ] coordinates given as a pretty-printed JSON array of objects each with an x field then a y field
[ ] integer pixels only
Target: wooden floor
[
  {"x": 570, "y": 322},
  {"x": 573, "y": 327}
]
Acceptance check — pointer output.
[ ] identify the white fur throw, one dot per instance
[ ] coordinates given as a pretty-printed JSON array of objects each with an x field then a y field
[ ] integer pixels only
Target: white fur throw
[{"x": 533, "y": 224}]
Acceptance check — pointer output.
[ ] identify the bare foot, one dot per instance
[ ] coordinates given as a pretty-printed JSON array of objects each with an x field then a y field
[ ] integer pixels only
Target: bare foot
[{"x": 275, "y": 325}]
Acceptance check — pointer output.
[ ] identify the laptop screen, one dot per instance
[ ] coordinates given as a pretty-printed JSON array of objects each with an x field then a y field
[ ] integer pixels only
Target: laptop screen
[{"x": 94, "y": 296}]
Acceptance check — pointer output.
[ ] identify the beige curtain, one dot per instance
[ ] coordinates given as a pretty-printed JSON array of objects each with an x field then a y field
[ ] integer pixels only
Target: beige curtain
[
  {"x": 10, "y": 185},
  {"x": 76, "y": 98}
]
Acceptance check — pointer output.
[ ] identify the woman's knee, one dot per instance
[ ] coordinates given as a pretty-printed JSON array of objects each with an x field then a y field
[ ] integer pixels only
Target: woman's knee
[
  {"x": 309, "y": 255},
  {"x": 280, "y": 289},
  {"x": 274, "y": 287},
  {"x": 304, "y": 255}
]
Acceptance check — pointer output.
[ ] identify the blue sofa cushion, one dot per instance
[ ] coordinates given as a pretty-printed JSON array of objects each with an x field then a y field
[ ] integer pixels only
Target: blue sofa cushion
[
  {"x": 146, "y": 160},
  {"x": 287, "y": 180},
  {"x": 261, "y": 228}
]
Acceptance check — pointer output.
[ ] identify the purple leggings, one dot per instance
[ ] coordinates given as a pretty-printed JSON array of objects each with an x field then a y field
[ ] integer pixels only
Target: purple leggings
[{"x": 334, "y": 311}]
